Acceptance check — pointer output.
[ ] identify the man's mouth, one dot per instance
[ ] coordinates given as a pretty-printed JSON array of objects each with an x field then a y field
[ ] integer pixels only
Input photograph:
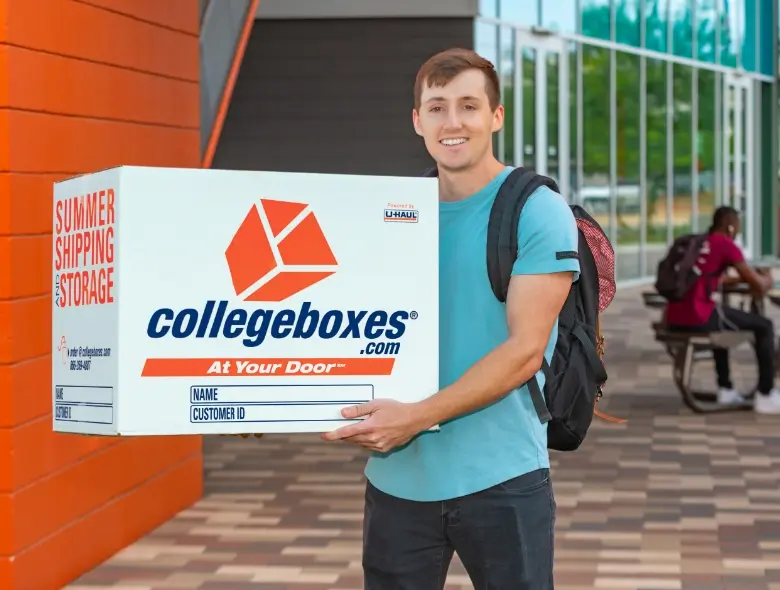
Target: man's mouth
[{"x": 453, "y": 141}]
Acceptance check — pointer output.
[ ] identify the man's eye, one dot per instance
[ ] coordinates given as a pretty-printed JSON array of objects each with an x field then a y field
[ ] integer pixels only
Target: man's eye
[
  {"x": 470, "y": 107},
  {"x": 435, "y": 109}
]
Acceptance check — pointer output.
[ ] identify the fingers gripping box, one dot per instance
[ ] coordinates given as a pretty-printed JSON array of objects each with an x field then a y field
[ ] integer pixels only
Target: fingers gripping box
[{"x": 221, "y": 302}]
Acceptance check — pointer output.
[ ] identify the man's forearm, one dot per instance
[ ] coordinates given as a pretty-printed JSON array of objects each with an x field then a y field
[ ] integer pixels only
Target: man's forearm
[{"x": 505, "y": 368}]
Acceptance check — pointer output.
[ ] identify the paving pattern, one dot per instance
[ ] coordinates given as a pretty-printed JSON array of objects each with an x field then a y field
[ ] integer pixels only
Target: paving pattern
[{"x": 669, "y": 501}]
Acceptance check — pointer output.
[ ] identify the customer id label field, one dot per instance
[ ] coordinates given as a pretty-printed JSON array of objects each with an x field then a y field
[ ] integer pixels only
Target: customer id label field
[
  {"x": 86, "y": 404},
  {"x": 271, "y": 403}
]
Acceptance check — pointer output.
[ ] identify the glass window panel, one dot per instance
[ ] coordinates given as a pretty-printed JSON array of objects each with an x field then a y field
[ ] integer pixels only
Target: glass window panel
[
  {"x": 596, "y": 19},
  {"x": 628, "y": 194},
  {"x": 706, "y": 24},
  {"x": 683, "y": 150},
  {"x": 488, "y": 8},
  {"x": 553, "y": 115},
  {"x": 741, "y": 162},
  {"x": 524, "y": 12},
  {"x": 627, "y": 22},
  {"x": 729, "y": 37},
  {"x": 594, "y": 194},
  {"x": 508, "y": 86},
  {"x": 560, "y": 15},
  {"x": 656, "y": 189},
  {"x": 706, "y": 147},
  {"x": 729, "y": 136},
  {"x": 748, "y": 23},
  {"x": 487, "y": 41},
  {"x": 682, "y": 27},
  {"x": 486, "y": 44},
  {"x": 573, "y": 155},
  {"x": 655, "y": 24},
  {"x": 528, "y": 85},
  {"x": 766, "y": 46}
]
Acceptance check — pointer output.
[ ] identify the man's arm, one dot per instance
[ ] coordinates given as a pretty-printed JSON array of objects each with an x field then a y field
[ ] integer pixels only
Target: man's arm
[
  {"x": 760, "y": 283},
  {"x": 542, "y": 277},
  {"x": 533, "y": 304}
]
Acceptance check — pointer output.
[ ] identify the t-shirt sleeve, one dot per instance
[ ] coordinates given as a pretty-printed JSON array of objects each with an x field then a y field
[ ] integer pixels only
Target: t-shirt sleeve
[
  {"x": 547, "y": 236},
  {"x": 732, "y": 254}
]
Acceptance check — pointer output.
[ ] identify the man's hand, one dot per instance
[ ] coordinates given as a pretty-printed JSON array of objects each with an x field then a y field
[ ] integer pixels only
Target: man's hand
[{"x": 387, "y": 424}]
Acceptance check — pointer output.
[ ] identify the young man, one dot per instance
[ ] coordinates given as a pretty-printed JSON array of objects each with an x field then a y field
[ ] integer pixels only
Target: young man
[
  {"x": 481, "y": 485},
  {"x": 698, "y": 311}
]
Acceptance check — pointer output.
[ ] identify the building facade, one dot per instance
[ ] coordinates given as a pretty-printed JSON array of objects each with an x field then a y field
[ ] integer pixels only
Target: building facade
[
  {"x": 126, "y": 92},
  {"x": 650, "y": 113}
]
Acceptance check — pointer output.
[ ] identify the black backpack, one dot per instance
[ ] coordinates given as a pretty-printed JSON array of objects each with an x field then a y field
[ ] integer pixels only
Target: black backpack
[
  {"x": 575, "y": 377},
  {"x": 678, "y": 271}
]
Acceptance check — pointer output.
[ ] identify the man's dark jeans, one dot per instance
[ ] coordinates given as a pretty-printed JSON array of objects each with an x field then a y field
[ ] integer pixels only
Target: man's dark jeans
[{"x": 503, "y": 536}]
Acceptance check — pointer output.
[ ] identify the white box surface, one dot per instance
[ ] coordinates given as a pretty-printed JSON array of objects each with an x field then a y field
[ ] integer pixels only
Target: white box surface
[{"x": 219, "y": 302}]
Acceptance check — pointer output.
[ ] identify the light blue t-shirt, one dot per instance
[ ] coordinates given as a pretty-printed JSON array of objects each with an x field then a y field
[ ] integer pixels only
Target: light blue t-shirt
[{"x": 506, "y": 439}]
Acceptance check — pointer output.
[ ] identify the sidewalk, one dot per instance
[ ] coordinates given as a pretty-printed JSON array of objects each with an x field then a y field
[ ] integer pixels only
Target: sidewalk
[{"x": 670, "y": 501}]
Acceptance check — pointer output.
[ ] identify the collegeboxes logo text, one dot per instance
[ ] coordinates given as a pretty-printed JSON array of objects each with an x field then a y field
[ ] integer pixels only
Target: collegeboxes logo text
[{"x": 277, "y": 252}]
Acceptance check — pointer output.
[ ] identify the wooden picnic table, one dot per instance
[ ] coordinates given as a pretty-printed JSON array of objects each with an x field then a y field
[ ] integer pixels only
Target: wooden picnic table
[{"x": 756, "y": 304}]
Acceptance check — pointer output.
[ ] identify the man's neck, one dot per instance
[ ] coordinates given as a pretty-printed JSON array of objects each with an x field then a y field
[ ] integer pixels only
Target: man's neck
[{"x": 456, "y": 186}]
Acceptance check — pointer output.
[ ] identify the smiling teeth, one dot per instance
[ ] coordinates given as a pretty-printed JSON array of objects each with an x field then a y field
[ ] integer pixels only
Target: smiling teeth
[{"x": 453, "y": 141}]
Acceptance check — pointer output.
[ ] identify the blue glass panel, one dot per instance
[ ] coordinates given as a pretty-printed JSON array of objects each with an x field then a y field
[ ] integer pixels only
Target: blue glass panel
[
  {"x": 596, "y": 19},
  {"x": 748, "y": 23},
  {"x": 766, "y": 50},
  {"x": 486, "y": 45},
  {"x": 524, "y": 12},
  {"x": 488, "y": 8},
  {"x": 655, "y": 25},
  {"x": 681, "y": 18},
  {"x": 560, "y": 15},
  {"x": 706, "y": 25},
  {"x": 627, "y": 22},
  {"x": 487, "y": 41},
  {"x": 507, "y": 74},
  {"x": 729, "y": 34}
]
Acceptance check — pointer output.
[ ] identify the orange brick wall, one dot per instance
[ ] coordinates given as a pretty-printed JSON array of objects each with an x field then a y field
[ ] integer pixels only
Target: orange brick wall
[{"x": 84, "y": 85}]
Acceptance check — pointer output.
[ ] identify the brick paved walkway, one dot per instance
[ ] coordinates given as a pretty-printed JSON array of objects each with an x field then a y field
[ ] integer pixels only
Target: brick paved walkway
[{"x": 669, "y": 501}]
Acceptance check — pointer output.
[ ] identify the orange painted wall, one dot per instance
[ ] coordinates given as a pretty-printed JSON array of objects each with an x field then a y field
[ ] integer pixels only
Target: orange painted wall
[{"x": 84, "y": 85}]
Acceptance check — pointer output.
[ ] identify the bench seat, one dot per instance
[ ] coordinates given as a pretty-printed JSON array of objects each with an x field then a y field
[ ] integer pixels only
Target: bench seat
[
  {"x": 687, "y": 348},
  {"x": 654, "y": 300},
  {"x": 715, "y": 339}
]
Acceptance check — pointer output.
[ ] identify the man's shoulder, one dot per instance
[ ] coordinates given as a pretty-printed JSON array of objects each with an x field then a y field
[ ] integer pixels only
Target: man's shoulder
[
  {"x": 544, "y": 201},
  {"x": 724, "y": 246},
  {"x": 547, "y": 211}
]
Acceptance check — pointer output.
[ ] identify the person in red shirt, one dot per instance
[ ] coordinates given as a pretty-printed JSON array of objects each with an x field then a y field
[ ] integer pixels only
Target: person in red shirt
[{"x": 698, "y": 311}]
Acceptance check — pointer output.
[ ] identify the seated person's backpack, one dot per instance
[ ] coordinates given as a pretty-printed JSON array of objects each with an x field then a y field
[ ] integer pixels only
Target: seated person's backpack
[
  {"x": 678, "y": 271},
  {"x": 576, "y": 375}
]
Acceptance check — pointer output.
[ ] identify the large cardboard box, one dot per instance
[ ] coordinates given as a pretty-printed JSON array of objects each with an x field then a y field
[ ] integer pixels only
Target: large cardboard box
[{"x": 207, "y": 301}]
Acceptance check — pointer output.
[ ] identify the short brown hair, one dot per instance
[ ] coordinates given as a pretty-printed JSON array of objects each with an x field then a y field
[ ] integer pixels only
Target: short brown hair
[{"x": 444, "y": 66}]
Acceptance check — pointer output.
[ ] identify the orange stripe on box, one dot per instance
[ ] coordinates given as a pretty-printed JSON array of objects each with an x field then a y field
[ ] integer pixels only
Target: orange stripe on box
[{"x": 266, "y": 367}]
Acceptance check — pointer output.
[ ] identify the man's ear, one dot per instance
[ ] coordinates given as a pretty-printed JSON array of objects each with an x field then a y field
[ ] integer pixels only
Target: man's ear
[
  {"x": 498, "y": 118},
  {"x": 416, "y": 122}
]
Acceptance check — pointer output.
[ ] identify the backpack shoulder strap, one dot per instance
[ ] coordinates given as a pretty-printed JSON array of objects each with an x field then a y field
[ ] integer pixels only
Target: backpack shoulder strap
[{"x": 502, "y": 226}]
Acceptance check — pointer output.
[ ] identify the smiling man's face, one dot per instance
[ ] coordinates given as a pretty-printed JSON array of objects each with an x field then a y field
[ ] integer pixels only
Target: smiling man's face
[{"x": 457, "y": 122}]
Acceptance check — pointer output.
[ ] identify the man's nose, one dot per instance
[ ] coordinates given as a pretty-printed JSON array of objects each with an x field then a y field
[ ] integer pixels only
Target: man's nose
[{"x": 453, "y": 119}]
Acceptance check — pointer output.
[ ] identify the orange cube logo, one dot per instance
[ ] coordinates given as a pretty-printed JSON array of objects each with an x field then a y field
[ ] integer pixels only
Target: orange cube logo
[{"x": 288, "y": 257}]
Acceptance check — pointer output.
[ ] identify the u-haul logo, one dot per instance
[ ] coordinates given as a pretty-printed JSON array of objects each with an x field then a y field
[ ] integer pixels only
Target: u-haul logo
[
  {"x": 279, "y": 250},
  {"x": 402, "y": 215}
]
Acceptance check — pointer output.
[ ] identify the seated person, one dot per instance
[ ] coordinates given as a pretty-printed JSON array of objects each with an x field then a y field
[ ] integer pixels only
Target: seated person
[{"x": 698, "y": 311}]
